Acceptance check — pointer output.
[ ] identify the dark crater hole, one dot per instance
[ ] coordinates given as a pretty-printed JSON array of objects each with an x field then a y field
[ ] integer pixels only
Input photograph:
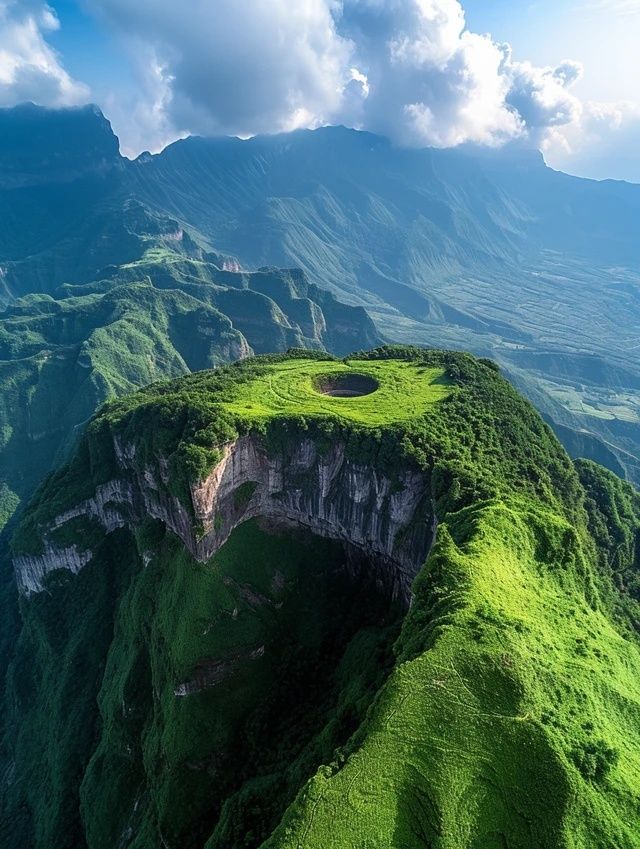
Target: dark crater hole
[{"x": 346, "y": 385}]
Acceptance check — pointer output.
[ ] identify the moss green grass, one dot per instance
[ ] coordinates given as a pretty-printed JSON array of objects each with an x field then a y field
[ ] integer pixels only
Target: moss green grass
[
  {"x": 513, "y": 724},
  {"x": 405, "y": 391}
]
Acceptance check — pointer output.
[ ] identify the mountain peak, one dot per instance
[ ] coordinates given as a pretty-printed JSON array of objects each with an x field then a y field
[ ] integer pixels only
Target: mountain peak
[{"x": 39, "y": 145}]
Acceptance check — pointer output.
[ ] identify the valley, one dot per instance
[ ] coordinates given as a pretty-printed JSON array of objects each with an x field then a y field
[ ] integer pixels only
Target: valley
[{"x": 497, "y": 254}]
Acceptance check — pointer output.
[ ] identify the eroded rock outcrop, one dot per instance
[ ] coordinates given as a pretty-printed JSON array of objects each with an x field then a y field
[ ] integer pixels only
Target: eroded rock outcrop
[
  {"x": 31, "y": 570},
  {"x": 392, "y": 521}
]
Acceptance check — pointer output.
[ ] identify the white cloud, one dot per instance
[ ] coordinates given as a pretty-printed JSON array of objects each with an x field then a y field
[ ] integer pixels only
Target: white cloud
[
  {"x": 237, "y": 67},
  {"x": 406, "y": 68},
  {"x": 602, "y": 142},
  {"x": 433, "y": 82},
  {"x": 29, "y": 68},
  {"x": 542, "y": 96},
  {"x": 141, "y": 117}
]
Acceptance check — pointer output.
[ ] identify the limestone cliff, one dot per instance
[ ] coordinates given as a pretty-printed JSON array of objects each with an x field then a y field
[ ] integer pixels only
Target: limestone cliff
[{"x": 392, "y": 521}]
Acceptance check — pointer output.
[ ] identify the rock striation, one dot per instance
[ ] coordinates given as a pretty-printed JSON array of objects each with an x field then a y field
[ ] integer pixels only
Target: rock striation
[{"x": 391, "y": 521}]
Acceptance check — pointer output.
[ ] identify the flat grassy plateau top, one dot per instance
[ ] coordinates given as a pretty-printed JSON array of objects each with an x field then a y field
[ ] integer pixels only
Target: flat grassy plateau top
[{"x": 404, "y": 390}]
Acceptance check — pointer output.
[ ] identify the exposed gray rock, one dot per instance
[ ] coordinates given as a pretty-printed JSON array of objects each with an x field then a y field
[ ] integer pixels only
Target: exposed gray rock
[
  {"x": 106, "y": 505},
  {"x": 30, "y": 570},
  {"x": 391, "y": 521},
  {"x": 324, "y": 492}
]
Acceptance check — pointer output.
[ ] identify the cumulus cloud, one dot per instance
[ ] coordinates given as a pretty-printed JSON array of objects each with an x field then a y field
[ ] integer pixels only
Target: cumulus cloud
[
  {"x": 434, "y": 82},
  {"x": 29, "y": 68},
  {"x": 542, "y": 96},
  {"x": 602, "y": 142},
  {"x": 238, "y": 67},
  {"x": 430, "y": 80},
  {"x": 141, "y": 115},
  {"x": 409, "y": 69}
]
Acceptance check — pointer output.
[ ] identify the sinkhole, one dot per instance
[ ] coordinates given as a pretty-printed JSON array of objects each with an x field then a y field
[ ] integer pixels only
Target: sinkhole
[{"x": 345, "y": 385}]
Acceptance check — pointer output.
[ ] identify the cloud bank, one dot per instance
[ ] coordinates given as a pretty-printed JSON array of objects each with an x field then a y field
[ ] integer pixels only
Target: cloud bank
[
  {"x": 406, "y": 68},
  {"x": 29, "y": 68}
]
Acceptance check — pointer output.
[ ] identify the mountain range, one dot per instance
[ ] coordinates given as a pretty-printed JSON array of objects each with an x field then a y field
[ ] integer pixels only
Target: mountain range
[{"x": 492, "y": 252}]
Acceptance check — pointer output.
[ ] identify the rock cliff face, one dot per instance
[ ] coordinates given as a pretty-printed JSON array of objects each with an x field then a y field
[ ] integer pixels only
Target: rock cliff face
[{"x": 390, "y": 521}]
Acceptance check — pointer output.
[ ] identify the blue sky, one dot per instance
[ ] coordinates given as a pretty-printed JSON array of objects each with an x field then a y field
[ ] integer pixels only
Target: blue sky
[
  {"x": 603, "y": 36},
  {"x": 89, "y": 50},
  {"x": 406, "y": 68}
]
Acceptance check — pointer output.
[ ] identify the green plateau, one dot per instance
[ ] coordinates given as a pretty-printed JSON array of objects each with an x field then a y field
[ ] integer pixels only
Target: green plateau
[
  {"x": 197, "y": 667},
  {"x": 402, "y": 391}
]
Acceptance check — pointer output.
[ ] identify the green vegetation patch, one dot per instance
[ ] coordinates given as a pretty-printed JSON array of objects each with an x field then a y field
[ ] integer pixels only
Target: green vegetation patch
[
  {"x": 512, "y": 710},
  {"x": 405, "y": 391}
]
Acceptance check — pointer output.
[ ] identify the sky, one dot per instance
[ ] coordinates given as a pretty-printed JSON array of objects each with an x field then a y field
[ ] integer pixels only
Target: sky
[{"x": 560, "y": 76}]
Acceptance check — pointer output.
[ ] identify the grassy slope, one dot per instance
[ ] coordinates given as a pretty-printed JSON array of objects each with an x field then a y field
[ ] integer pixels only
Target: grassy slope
[
  {"x": 516, "y": 727},
  {"x": 512, "y": 712}
]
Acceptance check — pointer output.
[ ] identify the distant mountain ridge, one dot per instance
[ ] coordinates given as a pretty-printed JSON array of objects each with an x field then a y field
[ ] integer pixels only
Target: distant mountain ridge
[
  {"x": 490, "y": 251},
  {"x": 51, "y": 145}
]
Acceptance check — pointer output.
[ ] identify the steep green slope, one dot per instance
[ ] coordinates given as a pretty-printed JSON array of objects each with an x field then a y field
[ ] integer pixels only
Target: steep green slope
[
  {"x": 273, "y": 694},
  {"x": 614, "y": 521},
  {"x": 515, "y": 727}
]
